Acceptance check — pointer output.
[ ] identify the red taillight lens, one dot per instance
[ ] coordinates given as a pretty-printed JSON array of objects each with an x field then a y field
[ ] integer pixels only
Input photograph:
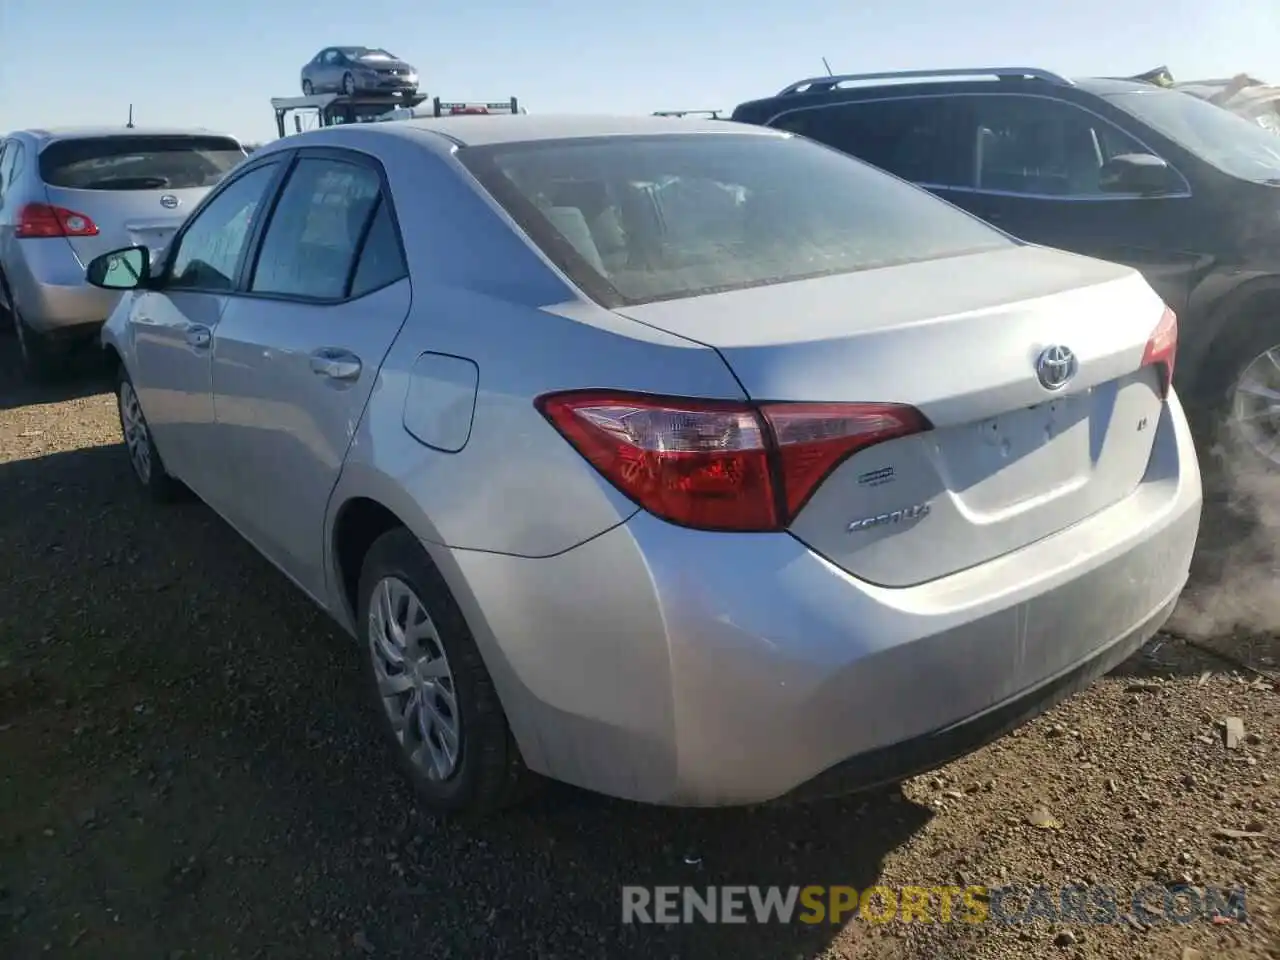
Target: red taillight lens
[
  {"x": 45, "y": 220},
  {"x": 717, "y": 465},
  {"x": 1162, "y": 349},
  {"x": 814, "y": 438}
]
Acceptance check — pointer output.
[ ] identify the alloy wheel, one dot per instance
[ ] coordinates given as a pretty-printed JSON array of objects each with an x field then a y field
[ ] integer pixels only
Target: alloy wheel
[
  {"x": 414, "y": 679},
  {"x": 1255, "y": 405},
  {"x": 136, "y": 436}
]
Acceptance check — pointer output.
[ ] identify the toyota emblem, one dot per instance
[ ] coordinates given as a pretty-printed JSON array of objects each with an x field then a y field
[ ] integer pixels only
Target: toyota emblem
[{"x": 1055, "y": 367}]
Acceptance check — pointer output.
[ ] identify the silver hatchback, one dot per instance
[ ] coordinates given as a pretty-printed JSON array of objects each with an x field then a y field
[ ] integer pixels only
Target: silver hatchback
[
  {"x": 689, "y": 462},
  {"x": 68, "y": 195}
]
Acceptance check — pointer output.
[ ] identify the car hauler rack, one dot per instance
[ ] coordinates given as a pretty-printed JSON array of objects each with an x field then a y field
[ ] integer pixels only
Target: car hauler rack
[
  {"x": 331, "y": 109},
  {"x": 713, "y": 114},
  {"x": 448, "y": 108}
]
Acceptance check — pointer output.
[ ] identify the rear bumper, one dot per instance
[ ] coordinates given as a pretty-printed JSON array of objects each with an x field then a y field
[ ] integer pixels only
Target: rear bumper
[
  {"x": 698, "y": 669},
  {"x": 51, "y": 292},
  {"x": 919, "y": 755}
]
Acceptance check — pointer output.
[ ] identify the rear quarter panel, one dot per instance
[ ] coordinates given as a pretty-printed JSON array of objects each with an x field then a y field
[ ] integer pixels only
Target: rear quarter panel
[{"x": 482, "y": 293}]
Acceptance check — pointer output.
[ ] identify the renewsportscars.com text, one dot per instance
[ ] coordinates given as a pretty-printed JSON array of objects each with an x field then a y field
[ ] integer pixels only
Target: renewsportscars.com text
[{"x": 1094, "y": 904}]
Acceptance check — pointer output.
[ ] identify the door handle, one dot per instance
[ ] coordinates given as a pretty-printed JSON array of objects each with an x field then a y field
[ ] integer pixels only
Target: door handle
[
  {"x": 198, "y": 336},
  {"x": 335, "y": 363}
]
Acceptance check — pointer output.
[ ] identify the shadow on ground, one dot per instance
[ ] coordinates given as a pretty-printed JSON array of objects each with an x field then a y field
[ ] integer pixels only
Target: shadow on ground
[
  {"x": 86, "y": 374},
  {"x": 189, "y": 765}
]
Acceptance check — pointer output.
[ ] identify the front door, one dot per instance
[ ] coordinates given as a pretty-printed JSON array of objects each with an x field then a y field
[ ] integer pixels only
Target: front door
[
  {"x": 295, "y": 359},
  {"x": 173, "y": 326},
  {"x": 1036, "y": 166}
]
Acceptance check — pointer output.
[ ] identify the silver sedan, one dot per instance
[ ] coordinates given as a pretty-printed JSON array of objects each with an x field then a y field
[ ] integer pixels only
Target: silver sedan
[{"x": 689, "y": 462}]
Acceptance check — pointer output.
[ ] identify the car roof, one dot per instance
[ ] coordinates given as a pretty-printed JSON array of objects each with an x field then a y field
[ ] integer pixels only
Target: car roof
[
  {"x": 75, "y": 133},
  {"x": 475, "y": 131}
]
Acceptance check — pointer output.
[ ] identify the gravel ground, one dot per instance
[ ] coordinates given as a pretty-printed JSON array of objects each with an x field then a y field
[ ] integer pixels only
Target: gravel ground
[{"x": 187, "y": 769}]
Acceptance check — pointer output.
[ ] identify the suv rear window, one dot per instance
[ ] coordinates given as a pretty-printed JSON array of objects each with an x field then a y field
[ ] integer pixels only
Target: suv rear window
[
  {"x": 138, "y": 162},
  {"x": 642, "y": 218}
]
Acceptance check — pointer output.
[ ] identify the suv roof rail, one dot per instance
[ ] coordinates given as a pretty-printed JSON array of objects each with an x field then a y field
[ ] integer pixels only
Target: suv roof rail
[
  {"x": 815, "y": 84},
  {"x": 713, "y": 114}
]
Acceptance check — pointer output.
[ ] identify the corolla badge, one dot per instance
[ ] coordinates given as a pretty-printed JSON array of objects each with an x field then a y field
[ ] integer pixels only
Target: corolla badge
[
  {"x": 169, "y": 201},
  {"x": 1055, "y": 367},
  {"x": 915, "y": 512}
]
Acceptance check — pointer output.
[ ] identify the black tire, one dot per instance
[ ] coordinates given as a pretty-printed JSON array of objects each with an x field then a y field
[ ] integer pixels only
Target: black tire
[
  {"x": 348, "y": 84},
  {"x": 43, "y": 360},
  {"x": 1226, "y": 457},
  {"x": 154, "y": 481},
  {"x": 307, "y": 88},
  {"x": 490, "y": 773}
]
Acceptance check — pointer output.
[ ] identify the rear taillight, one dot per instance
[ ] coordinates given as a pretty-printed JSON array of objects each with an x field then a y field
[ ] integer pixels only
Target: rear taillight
[
  {"x": 717, "y": 465},
  {"x": 1162, "y": 349},
  {"x": 45, "y": 220}
]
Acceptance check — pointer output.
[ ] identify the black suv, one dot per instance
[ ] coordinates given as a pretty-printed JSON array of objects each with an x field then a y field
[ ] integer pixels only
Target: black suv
[{"x": 1185, "y": 191}]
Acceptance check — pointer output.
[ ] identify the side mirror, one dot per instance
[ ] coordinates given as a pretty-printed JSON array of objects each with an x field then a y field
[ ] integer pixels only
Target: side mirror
[
  {"x": 1139, "y": 173},
  {"x": 124, "y": 269}
]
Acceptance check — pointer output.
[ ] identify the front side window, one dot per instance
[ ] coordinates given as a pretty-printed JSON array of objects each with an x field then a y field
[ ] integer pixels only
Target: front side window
[
  {"x": 139, "y": 162},
  {"x": 1039, "y": 146},
  {"x": 310, "y": 246},
  {"x": 208, "y": 253},
  {"x": 916, "y": 138},
  {"x": 1217, "y": 136},
  {"x": 643, "y": 218}
]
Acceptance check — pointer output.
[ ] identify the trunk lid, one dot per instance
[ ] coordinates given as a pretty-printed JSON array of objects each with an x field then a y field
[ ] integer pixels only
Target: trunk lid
[{"x": 1007, "y": 462}]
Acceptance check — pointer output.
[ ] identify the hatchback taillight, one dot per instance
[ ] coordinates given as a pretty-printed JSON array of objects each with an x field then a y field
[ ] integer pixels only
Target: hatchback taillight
[
  {"x": 1162, "y": 349},
  {"x": 45, "y": 220},
  {"x": 720, "y": 465}
]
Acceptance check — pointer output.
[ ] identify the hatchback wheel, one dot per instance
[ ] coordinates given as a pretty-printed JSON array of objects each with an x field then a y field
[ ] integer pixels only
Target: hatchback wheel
[
  {"x": 437, "y": 702},
  {"x": 143, "y": 455},
  {"x": 42, "y": 359}
]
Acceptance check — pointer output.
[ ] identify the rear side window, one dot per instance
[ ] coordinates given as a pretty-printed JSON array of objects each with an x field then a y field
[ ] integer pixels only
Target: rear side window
[
  {"x": 139, "y": 162},
  {"x": 644, "y": 218},
  {"x": 915, "y": 138},
  {"x": 325, "y": 217}
]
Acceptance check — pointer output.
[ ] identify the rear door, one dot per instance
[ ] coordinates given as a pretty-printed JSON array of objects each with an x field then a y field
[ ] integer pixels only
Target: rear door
[
  {"x": 295, "y": 358},
  {"x": 133, "y": 188},
  {"x": 1036, "y": 166}
]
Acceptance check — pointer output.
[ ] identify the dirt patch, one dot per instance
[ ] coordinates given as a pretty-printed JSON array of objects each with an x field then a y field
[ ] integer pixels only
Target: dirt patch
[{"x": 187, "y": 769}]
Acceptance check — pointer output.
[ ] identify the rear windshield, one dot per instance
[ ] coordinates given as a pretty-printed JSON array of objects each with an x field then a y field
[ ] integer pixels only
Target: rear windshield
[
  {"x": 138, "y": 162},
  {"x": 637, "y": 219}
]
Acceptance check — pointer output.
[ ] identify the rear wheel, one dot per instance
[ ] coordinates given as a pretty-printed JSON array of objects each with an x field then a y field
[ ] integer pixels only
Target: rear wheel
[
  {"x": 307, "y": 89},
  {"x": 1239, "y": 415},
  {"x": 348, "y": 84},
  {"x": 437, "y": 702},
  {"x": 43, "y": 359}
]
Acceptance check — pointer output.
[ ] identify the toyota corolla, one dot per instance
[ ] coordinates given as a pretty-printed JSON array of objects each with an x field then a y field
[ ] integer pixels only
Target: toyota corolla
[{"x": 689, "y": 462}]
